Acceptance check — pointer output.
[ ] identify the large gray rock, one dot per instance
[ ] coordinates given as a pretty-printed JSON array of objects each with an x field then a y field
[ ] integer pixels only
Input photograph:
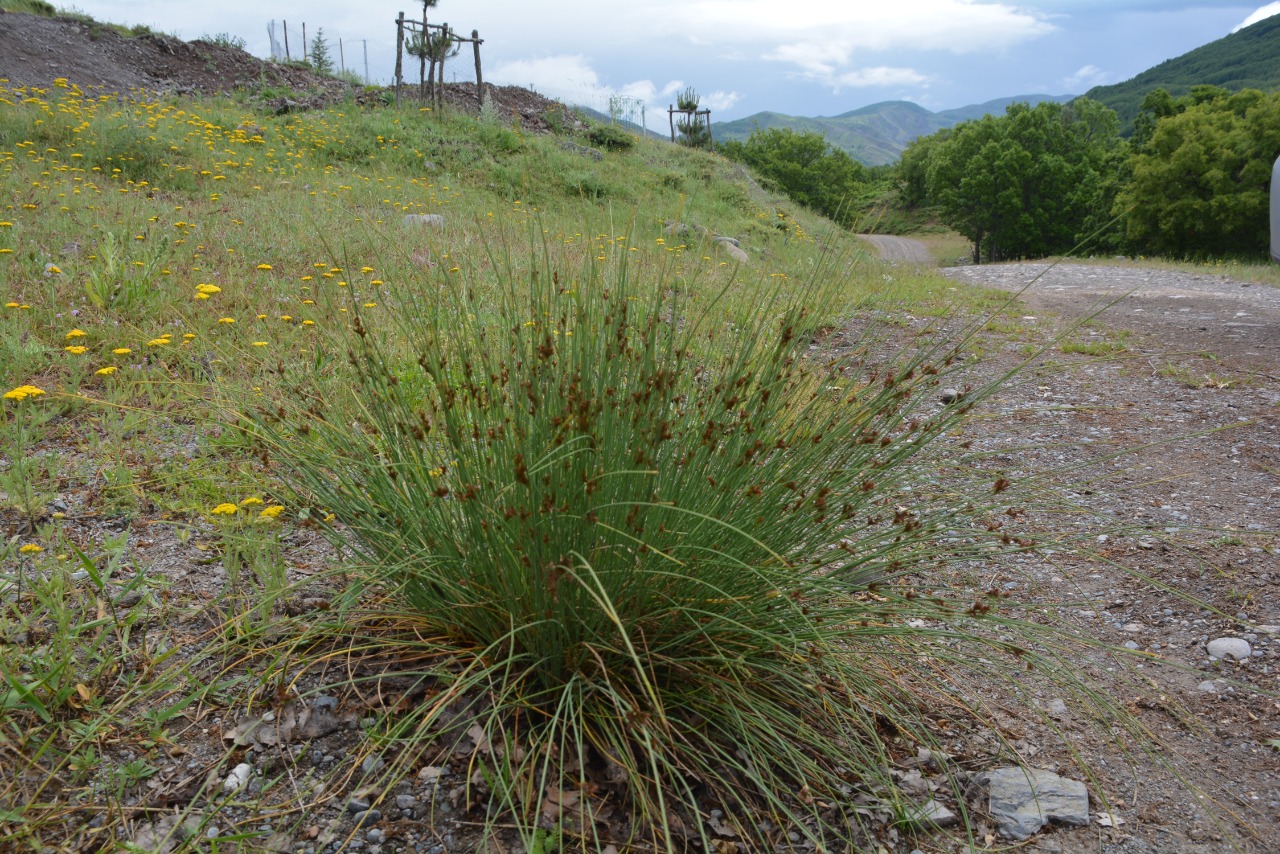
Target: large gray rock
[
  {"x": 1235, "y": 648},
  {"x": 1023, "y": 800}
]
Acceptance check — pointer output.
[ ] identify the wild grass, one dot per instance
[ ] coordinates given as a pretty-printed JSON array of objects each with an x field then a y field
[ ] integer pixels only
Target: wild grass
[{"x": 631, "y": 538}]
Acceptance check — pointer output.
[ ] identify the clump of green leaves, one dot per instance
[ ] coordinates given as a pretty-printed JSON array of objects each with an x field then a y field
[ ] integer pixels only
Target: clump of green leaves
[
  {"x": 225, "y": 39},
  {"x": 611, "y": 137}
]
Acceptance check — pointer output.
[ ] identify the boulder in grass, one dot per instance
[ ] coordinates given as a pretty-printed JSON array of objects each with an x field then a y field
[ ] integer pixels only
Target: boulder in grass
[
  {"x": 733, "y": 251},
  {"x": 423, "y": 221}
]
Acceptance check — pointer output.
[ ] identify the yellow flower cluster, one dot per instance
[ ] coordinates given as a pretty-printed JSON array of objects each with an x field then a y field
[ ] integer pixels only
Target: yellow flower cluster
[{"x": 22, "y": 392}]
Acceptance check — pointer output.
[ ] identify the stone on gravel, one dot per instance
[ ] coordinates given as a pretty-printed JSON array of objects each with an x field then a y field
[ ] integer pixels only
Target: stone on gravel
[
  {"x": 933, "y": 814},
  {"x": 1023, "y": 800},
  {"x": 366, "y": 818},
  {"x": 949, "y": 395},
  {"x": 1208, "y": 686},
  {"x": 237, "y": 778},
  {"x": 1223, "y": 648}
]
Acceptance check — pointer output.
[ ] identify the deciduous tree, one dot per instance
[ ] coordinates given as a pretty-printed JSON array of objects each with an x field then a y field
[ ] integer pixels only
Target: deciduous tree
[{"x": 1200, "y": 184}]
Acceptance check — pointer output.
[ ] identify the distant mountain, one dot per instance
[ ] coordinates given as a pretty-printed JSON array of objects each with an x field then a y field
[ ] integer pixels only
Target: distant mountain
[
  {"x": 1247, "y": 59},
  {"x": 877, "y": 134}
]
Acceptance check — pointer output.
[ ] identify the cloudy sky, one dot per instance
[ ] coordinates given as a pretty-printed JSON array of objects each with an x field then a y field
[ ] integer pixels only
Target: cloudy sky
[{"x": 801, "y": 57}]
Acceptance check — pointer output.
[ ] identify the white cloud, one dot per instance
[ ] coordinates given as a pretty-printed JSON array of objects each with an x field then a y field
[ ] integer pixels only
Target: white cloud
[
  {"x": 1261, "y": 14},
  {"x": 719, "y": 100},
  {"x": 571, "y": 78},
  {"x": 881, "y": 75},
  {"x": 828, "y": 42},
  {"x": 1086, "y": 78},
  {"x": 549, "y": 72},
  {"x": 958, "y": 26}
]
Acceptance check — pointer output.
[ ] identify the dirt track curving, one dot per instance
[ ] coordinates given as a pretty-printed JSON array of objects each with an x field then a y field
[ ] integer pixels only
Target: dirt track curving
[{"x": 893, "y": 248}]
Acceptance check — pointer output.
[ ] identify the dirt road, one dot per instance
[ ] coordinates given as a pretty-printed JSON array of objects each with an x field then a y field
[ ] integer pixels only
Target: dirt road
[
  {"x": 1175, "y": 311},
  {"x": 1157, "y": 426},
  {"x": 893, "y": 248}
]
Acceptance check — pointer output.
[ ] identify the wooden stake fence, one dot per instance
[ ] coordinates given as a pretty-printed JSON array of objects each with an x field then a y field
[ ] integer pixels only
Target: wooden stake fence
[{"x": 437, "y": 85}]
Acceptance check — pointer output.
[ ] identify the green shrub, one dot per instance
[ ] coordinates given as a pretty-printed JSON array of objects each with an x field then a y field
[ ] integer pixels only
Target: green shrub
[
  {"x": 611, "y": 137},
  {"x": 225, "y": 40}
]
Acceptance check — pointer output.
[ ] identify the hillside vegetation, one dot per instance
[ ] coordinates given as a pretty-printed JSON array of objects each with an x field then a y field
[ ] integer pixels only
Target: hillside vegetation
[{"x": 1247, "y": 59}]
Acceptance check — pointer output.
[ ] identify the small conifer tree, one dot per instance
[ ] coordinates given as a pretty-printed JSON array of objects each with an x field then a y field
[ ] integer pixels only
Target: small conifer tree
[
  {"x": 693, "y": 131},
  {"x": 321, "y": 58}
]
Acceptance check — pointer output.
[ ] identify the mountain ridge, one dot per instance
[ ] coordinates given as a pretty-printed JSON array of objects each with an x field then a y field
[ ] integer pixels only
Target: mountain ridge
[{"x": 877, "y": 133}]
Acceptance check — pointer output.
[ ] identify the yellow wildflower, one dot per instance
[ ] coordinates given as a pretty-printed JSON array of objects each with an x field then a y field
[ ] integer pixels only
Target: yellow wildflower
[
  {"x": 271, "y": 512},
  {"x": 76, "y": 333},
  {"x": 22, "y": 392},
  {"x": 76, "y": 349},
  {"x": 158, "y": 342},
  {"x": 226, "y": 320},
  {"x": 249, "y": 502},
  {"x": 30, "y": 549},
  {"x": 225, "y": 509},
  {"x": 264, "y": 266},
  {"x": 107, "y": 371},
  {"x": 122, "y": 351}
]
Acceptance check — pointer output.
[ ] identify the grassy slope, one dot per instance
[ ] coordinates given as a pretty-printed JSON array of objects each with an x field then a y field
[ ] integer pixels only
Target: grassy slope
[{"x": 165, "y": 263}]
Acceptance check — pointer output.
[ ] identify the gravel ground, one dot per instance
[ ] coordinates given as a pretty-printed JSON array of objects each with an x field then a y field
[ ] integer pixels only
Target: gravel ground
[{"x": 1165, "y": 432}]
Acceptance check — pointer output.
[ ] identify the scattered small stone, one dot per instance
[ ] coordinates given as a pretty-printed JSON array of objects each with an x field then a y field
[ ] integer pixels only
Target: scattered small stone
[
  {"x": 1023, "y": 800},
  {"x": 933, "y": 813},
  {"x": 406, "y": 802},
  {"x": 357, "y": 805},
  {"x": 1131, "y": 645},
  {"x": 1234, "y": 648},
  {"x": 432, "y": 773},
  {"x": 376, "y": 836},
  {"x": 366, "y": 818},
  {"x": 1058, "y": 709},
  {"x": 237, "y": 778},
  {"x": 372, "y": 764}
]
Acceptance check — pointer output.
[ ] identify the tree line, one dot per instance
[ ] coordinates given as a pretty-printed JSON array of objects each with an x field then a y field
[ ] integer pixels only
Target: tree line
[{"x": 1192, "y": 181}]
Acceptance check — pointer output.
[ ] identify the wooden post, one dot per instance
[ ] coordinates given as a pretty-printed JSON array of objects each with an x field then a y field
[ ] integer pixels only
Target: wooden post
[
  {"x": 304, "y": 41},
  {"x": 287, "y": 58},
  {"x": 342, "y": 59},
  {"x": 475, "y": 43},
  {"x": 444, "y": 49},
  {"x": 399, "y": 53},
  {"x": 422, "y": 58},
  {"x": 671, "y": 120},
  {"x": 710, "y": 138}
]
